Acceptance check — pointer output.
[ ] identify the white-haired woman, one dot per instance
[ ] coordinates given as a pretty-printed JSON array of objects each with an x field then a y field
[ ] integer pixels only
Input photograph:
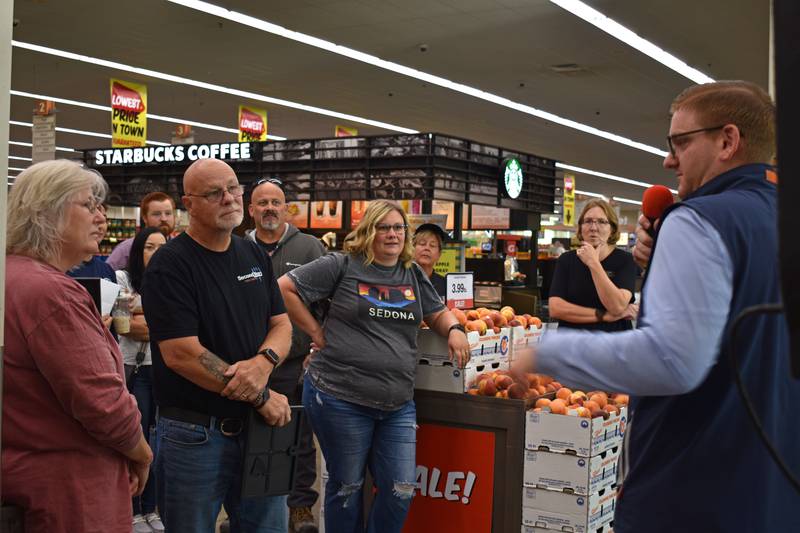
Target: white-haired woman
[
  {"x": 73, "y": 449},
  {"x": 358, "y": 391}
]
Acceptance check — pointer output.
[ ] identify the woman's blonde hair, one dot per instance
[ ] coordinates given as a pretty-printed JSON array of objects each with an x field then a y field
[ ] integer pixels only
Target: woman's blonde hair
[
  {"x": 611, "y": 215},
  {"x": 359, "y": 241},
  {"x": 37, "y": 205}
]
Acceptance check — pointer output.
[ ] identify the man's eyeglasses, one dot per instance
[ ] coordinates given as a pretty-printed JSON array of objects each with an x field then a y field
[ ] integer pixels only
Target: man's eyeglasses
[
  {"x": 384, "y": 228},
  {"x": 274, "y": 181},
  {"x": 593, "y": 221},
  {"x": 671, "y": 139},
  {"x": 217, "y": 194}
]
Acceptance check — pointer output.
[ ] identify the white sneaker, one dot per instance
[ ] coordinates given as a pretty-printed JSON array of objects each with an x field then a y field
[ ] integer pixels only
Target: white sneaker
[
  {"x": 154, "y": 521},
  {"x": 140, "y": 525}
]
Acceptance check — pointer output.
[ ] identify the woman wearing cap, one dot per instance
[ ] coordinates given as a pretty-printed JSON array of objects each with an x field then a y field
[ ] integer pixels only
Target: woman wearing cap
[
  {"x": 593, "y": 286},
  {"x": 73, "y": 449},
  {"x": 428, "y": 240}
]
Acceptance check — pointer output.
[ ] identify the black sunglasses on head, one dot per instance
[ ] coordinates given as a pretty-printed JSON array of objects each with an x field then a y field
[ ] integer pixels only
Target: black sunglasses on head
[{"x": 275, "y": 181}]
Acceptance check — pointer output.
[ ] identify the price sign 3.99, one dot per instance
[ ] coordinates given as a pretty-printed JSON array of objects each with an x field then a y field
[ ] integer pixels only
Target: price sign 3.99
[{"x": 460, "y": 290}]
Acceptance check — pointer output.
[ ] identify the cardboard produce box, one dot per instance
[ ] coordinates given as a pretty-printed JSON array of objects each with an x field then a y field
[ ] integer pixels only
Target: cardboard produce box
[
  {"x": 432, "y": 347},
  {"x": 447, "y": 377},
  {"x": 571, "y": 473},
  {"x": 521, "y": 338},
  {"x": 548, "y": 509},
  {"x": 565, "y": 433},
  {"x": 530, "y": 529}
]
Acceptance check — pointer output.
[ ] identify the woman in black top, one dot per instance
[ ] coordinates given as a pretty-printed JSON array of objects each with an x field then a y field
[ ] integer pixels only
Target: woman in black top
[{"x": 593, "y": 286}]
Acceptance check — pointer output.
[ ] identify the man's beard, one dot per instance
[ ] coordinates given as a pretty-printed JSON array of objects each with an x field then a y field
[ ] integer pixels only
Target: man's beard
[
  {"x": 165, "y": 230},
  {"x": 269, "y": 225}
]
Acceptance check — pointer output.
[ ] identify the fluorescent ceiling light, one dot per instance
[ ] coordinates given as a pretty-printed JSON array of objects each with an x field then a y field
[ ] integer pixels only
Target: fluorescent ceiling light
[
  {"x": 607, "y": 176},
  {"x": 626, "y": 200},
  {"x": 163, "y": 118},
  {"x": 16, "y": 168},
  {"x": 617, "y": 30},
  {"x": 592, "y": 194},
  {"x": 80, "y": 132},
  {"x": 274, "y": 29},
  {"x": 208, "y": 86},
  {"x": 20, "y": 158},
  {"x": 29, "y": 145}
]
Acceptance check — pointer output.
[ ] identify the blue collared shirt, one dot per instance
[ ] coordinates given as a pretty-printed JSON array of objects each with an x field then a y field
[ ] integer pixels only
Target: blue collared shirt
[{"x": 687, "y": 294}]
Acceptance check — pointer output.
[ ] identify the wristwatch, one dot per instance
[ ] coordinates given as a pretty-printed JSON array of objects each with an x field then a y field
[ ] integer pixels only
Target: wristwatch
[
  {"x": 459, "y": 327},
  {"x": 270, "y": 356}
]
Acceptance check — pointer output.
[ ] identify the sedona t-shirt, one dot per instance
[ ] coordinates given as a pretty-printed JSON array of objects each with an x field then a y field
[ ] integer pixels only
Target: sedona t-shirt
[{"x": 370, "y": 352}]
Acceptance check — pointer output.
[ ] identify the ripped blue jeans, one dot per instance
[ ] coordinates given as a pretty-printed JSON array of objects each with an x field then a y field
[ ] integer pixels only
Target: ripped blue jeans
[{"x": 353, "y": 437}]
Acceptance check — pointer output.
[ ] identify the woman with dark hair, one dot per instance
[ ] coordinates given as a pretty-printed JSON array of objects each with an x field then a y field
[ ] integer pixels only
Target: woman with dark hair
[
  {"x": 593, "y": 286},
  {"x": 135, "y": 346}
]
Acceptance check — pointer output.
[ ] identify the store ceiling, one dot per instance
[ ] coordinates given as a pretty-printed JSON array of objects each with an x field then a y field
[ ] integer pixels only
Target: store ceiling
[{"x": 506, "y": 47}]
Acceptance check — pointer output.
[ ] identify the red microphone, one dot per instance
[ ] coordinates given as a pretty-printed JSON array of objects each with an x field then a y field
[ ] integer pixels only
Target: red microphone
[{"x": 655, "y": 201}]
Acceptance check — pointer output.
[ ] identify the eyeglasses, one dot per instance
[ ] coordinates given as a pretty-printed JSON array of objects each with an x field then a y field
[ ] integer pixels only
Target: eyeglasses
[
  {"x": 385, "y": 228},
  {"x": 91, "y": 205},
  {"x": 598, "y": 221},
  {"x": 678, "y": 136},
  {"x": 217, "y": 194},
  {"x": 274, "y": 181}
]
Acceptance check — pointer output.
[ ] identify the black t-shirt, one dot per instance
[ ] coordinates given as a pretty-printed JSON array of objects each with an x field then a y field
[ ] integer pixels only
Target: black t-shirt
[
  {"x": 572, "y": 281},
  {"x": 226, "y": 299},
  {"x": 439, "y": 283},
  {"x": 268, "y": 247}
]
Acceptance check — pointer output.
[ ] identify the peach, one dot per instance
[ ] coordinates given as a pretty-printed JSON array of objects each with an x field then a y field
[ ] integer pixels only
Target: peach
[
  {"x": 542, "y": 402},
  {"x": 544, "y": 379},
  {"x": 591, "y": 405},
  {"x": 473, "y": 392},
  {"x": 517, "y": 391},
  {"x": 535, "y": 321},
  {"x": 612, "y": 409},
  {"x": 533, "y": 380},
  {"x": 508, "y": 313},
  {"x": 515, "y": 323},
  {"x": 503, "y": 382},
  {"x": 556, "y": 384},
  {"x": 563, "y": 393},
  {"x": 508, "y": 308},
  {"x": 487, "y": 387},
  {"x": 498, "y": 319},
  {"x": 600, "y": 398},
  {"x": 482, "y": 311},
  {"x": 495, "y": 330},
  {"x": 551, "y": 387},
  {"x": 600, "y": 413},
  {"x": 521, "y": 319},
  {"x": 577, "y": 397},
  {"x": 488, "y": 321},
  {"x": 621, "y": 399},
  {"x": 558, "y": 407},
  {"x": 473, "y": 315},
  {"x": 537, "y": 409},
  {"x": 527, "y": 317},
  {"x": 583, "y": 412},
  {"x": 541, "y": 389}
]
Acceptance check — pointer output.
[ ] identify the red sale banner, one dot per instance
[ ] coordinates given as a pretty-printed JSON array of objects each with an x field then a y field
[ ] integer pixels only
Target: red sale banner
[{"x": 455, "y": 481}]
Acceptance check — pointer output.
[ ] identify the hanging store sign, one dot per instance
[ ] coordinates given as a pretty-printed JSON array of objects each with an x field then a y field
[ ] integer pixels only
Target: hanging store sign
[
  {"x": 171, "y": 154},
  {"x": 344, "y": 131},
  {"x": 128, "y": 114},
  {"x": 252, "y": 124},
  {"x": 512, "y": 178},
  {"x": 569, "y": 200},
  {"x": 44, "y": 132}
]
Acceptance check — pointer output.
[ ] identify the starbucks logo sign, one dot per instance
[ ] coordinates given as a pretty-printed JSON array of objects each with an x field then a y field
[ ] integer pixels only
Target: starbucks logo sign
[{"x": 512, "y": 178}]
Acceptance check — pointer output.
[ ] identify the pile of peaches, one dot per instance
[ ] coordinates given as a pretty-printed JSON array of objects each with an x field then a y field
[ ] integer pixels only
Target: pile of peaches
[
  {"x": 578, "y": 403},
  {"x": 501, "y": 384},
  {"x": 485, "y": 320}
]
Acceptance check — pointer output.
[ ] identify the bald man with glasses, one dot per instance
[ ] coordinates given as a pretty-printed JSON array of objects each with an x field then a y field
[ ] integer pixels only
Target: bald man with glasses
[{"x": 218, "y": 329}]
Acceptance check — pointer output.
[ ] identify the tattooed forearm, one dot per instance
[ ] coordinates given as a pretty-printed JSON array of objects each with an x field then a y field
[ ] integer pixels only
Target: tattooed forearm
[{"x": 215, "y": 366}]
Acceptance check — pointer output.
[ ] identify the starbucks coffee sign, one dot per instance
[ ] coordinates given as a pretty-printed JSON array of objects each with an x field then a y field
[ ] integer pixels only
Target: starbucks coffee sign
[{"x": 512, "y": 178}]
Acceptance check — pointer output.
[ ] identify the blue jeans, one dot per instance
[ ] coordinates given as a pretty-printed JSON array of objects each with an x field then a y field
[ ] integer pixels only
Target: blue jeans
[
  {"x": 140, "y": 384},
  {"x": 197, "y": 471},
  {"x": 353, "y": 437}
]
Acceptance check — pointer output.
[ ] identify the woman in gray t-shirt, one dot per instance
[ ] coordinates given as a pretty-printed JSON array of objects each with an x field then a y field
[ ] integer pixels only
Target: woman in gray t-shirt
[{"x": 359, "y": 388}]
